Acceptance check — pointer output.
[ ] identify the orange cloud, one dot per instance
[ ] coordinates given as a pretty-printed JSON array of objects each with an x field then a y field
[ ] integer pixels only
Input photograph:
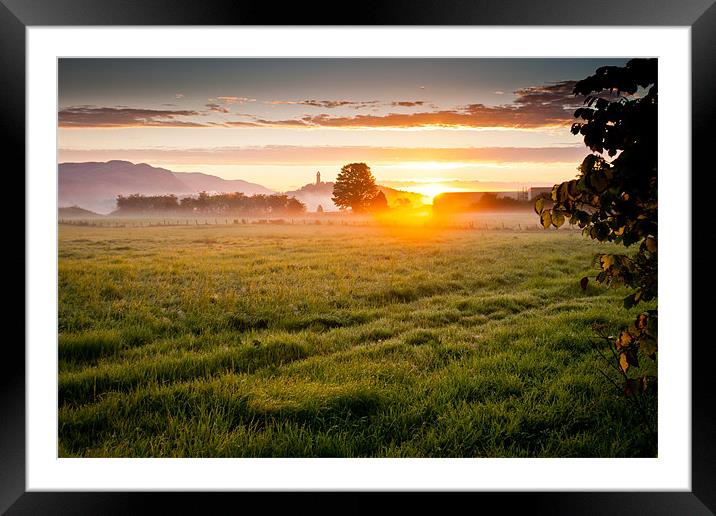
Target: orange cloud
[{"x": 408, "y": 103}]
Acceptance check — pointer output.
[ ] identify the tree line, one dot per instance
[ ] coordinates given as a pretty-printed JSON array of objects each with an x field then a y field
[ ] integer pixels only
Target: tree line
[{"x": 235, "y": 203}]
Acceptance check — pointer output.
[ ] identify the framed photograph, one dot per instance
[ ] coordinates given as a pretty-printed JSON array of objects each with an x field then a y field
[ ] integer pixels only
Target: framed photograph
[{"x": 413, "y": 253}]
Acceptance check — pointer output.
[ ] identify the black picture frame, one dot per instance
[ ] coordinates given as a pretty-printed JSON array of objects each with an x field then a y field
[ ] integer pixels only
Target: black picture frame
[{"x": 700, "y": 15}]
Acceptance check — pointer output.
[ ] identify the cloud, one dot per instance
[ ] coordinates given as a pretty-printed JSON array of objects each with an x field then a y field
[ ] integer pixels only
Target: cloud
[
  {"x": 92, "y": 116},
  {"x": 234, "y": 100},
  {"x": 239, "y": 124},
  {"x": 328, "y": 104},
  {"x": 408, "y": 103},
  {"x": 291, "y": 155},
  {"x": 217, "y": 108},
  {"x": 548, "y": 105}
]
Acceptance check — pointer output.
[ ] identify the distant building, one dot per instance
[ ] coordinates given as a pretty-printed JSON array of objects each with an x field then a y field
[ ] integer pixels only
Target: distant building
[
  {"x": 540, "y": 191},
  {"x": 318, "y": 177}
]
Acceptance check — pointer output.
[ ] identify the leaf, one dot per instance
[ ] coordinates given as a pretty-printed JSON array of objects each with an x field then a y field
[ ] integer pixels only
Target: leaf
[
  {"x": 629, "y": 302},
  {"x": 623, "y": 340},
  {"x": 642, "y": 320},
  {"x": 584, "y": 282},
  {"x": 607, "y": 261},
  {"x": 563, "y": 192},
  {"x": 647, "y": 345},
  {"x": 546, "y": 219},
  {"x": 623, "y": 362},
  {"x": 651, "y": 244},
  {"x": 572, "y": 190},
  {"x": 539, "y": 205},
  {"x": 601, "y": 231},
  {"x": 557, "y": 218},
  {"x": 631, "y": 387},
  {"x": 599, "y": 181}
]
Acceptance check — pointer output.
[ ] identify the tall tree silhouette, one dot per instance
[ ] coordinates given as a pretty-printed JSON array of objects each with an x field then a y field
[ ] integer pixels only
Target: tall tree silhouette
[{"x": 354, "y": 187}]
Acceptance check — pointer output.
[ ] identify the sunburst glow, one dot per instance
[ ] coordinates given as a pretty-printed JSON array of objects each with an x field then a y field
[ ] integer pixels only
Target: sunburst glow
[{"x": 430, "y": 190}]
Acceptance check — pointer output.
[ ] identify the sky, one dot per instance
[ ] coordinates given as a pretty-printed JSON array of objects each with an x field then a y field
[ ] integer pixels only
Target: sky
[{"x": 466, "y": 124}]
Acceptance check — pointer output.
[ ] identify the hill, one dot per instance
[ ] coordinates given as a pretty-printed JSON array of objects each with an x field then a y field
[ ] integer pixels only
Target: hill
[
  {"x": 314, "y": 194},
  {"x": 96, "y": 185},
  {"x": 75, "y": 212}
]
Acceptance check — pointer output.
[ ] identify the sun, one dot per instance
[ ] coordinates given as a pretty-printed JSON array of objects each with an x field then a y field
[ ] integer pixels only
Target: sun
[{"x": 430, "y": 190}]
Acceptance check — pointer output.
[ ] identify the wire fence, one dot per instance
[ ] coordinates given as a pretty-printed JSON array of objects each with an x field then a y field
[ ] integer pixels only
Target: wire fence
[{"x": 476, "y": 224}]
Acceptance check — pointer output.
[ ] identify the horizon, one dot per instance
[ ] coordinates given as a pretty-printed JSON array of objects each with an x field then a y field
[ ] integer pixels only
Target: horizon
[
  {"x": 275, "y": 122},
  {"x": 415, "y": 185}
]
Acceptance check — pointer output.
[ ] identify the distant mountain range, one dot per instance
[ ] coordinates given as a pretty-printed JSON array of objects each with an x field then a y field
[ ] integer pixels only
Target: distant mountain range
[{"x": 96, "y": 185}]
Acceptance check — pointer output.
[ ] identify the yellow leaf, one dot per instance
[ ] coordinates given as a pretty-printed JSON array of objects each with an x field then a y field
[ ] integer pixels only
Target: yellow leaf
[
  {"x": 557, "y": 219},
  {"x": 624, "y": 340},
  {"x": 546, "y": 219},
  {"x": 607, "y": 261},
  {"x": 651, "y": 244},
  {"x": 623, "y": 362}
]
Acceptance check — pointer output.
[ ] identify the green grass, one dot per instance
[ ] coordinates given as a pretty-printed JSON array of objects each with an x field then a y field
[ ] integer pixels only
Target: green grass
[{"x": 314, "y": 341}]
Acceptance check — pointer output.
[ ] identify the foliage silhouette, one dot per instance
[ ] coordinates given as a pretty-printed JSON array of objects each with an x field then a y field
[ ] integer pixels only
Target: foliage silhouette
[
  {"x": 378, "y": 203},
  {"x": 355, "y": 187},
  {"x": 614, "y": 197},
  {"x": 205, "y": 204}
]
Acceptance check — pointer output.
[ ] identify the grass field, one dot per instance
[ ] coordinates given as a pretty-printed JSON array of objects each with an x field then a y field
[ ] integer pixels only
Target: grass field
[{"x": 306, "y": 340}]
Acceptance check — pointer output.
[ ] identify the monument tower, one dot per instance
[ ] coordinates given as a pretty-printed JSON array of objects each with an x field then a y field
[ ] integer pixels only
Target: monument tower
[{"x": 318, "y": 177}]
